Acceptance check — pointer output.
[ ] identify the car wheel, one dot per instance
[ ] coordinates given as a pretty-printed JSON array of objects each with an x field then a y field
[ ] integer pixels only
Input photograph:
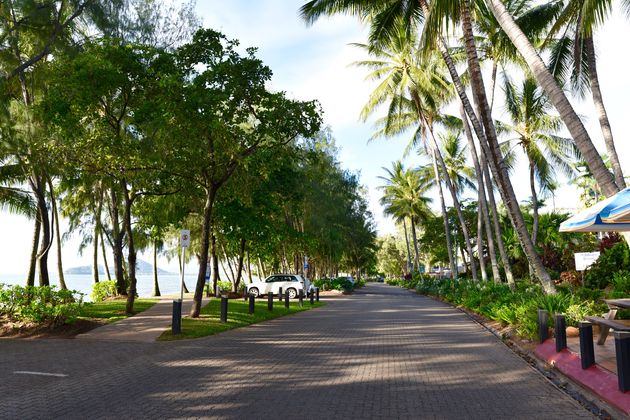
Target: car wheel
[
  {"x": 254, "y": 291},
  {"x": 292, "y": 293}
]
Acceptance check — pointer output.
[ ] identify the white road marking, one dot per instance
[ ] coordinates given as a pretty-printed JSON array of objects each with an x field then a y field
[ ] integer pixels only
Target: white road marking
[{"x": 25, "y": 372}]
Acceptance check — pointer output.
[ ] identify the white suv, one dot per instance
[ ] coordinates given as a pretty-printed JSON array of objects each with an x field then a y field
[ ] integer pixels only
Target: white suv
[{"x": 291, "y": 283}]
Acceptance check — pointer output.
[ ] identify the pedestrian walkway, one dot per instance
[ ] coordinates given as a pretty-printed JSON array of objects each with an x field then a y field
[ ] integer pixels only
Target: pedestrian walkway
[
  {"x": 146, "y": 326},
  {"x": 382, "y": 352}
]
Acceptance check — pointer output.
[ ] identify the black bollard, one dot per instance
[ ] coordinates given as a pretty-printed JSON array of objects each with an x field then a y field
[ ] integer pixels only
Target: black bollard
[
  {"x": 224, "y": 308},
  {"x": 622, "y": 349},
  {"x": 245, "y": 294},
  {"x": 176, "y": 323},
  {"x": 252, "y": 303},
  {"x": 587, "y": 351},
  {"x": 317, "y": 294},
  {"x": 280, "y": 294},
  {"x": 311, "y": 297},
  {"x": 286, "y": 299},
  {"x": 561, "y": 332},
  {"x": 301, "y": 298},
  {"x": 270, "y": 301},
  {"x": 543, "y": 319}
]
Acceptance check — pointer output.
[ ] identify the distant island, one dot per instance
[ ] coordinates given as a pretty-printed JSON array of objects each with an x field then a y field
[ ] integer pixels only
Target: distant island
[{"x": 142, "y": 267}]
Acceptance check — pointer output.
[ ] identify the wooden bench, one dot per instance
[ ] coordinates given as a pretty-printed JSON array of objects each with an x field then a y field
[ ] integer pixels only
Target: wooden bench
[{"x": 605, "y": 324}]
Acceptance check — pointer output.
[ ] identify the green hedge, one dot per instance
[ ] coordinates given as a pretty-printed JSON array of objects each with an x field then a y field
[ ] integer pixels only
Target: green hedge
[
  {"x": 518, "y": 308},
  {"x": 43, "y": 304},
  {"x": 339, "y": 283}
]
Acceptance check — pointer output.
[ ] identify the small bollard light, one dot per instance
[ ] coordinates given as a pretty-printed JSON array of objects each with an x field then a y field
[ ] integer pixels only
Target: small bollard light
[
  {"x": 312, "y": 297},
  {"x": 317, "y": 294},
  {"x": 587, "y": 351},
  {"x": 301, "y": 298},
  {"x": 270, "y": 302},
  {"x": 176, "y": 323},
  {"x": 622, "y": 350},
  {"x": 280, "y": 294},
  {"x": 224, "y": 308},
  {"x": 560, "y": 327},
  {"x": 252, "y": 303},
  {"x": 286, "y": 299}
]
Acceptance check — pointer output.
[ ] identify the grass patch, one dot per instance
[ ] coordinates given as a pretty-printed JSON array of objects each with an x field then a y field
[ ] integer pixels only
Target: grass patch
[
  {"x": 238, "y": 316},
  {"x": 113, "y": 310}
]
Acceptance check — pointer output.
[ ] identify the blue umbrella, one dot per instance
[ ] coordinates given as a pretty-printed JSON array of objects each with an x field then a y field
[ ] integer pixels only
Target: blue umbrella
[{"x": 610, "y": 215}]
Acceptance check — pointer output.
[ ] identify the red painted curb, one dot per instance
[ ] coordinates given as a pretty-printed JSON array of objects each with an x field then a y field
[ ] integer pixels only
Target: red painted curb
[{"x": 596, "y": 379}]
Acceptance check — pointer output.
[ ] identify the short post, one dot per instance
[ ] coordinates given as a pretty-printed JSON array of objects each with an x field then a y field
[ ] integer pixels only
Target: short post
[
  {"x": 587, "y": 351},
  {"x": 543, "y": 319},
  {"x": 317, "y": 294},
  {"x": 224, "y": 308},
  {"x": 286, "y": 299},
  {"x": 301, "y": 298},
  {"x": 280, "y": 294},
  {"x": 311, "y": 297},
  {"x": 252, "y": 303},
  {"x": 270, "y": 301},
  {"x": 176, "y": 323},
  {"x": 245, "y": 294},
  {"x": 622, "y": 349},
  {"x": 560, "y": 327}
]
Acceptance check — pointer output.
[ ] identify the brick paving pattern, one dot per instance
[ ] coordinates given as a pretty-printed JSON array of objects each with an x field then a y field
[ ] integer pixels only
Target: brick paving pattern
[{"x": 380, "y": 353}]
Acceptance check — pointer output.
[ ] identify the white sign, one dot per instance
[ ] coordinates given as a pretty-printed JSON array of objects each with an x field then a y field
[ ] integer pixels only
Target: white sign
[
  {"x": 184, "y": 238},
  {"x": 305, "y": 262},
  {"x": 583, "y": 260}
]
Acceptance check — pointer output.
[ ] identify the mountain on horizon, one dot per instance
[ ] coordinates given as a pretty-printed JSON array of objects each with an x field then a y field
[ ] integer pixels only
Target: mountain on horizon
[{"x": 142, "y": 267}]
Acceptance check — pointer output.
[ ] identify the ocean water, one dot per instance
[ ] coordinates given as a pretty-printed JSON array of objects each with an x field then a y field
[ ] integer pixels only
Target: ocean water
[{"x": 169, "y": 283}]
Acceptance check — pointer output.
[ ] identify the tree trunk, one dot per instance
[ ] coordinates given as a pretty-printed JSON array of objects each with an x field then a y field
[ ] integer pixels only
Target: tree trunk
[
  {"x": 156, "y": 284},
  {"x": 97, "y": 229},
  {"x": 407, "y": 242},
  {"x": 415, "y": 245},
  {"x": 205, "y": 248},
  {"x": 30, "y": 277},
  {"x": 494, "y": 215},
  {"x": 215, "y": 265},
  {"x": 544, "y": 78},
  {"x": 483, "y": 203},
  {"x": 117, "y": 244},
  {"x": 62, "y": 279},
  {"x": 131, "y": 249},
  {"x": 482, "y": 262},
  {"x": 532, "y": 186},
  {"x": 493, "y": 84},
  {"x": 598, "y": 101},
  {"x": 104, "y": 252},
  {"x": 42, "y": 256},
  {"x": 447, "y": 230},
  {"x": 239, "y": 267},
  {"x": 496, "y": 159},
  {"x": 249, "y": 268}
]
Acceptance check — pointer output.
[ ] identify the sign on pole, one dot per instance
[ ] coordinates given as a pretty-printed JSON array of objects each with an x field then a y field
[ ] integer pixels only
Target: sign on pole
[
  {"x": 584, "y": 260},
  {"x": 184, "y": 238},
  {"x": 305, "y": 263}
]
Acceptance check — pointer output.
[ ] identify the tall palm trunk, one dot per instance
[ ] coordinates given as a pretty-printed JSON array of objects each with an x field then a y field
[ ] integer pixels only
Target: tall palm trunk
[
  {"x": 117, "y": 243},
  {"x": 55, "y": 209},
  {"x": 447, "y": 229},
  {"x": 544, "y": 78},
  {"x": 239, "y": 267},
  {"x": 496, "y": 158},
  {"x": 494, "y": 215},
  {"x": 482, "y": 261},
  {"x": 215, "y": 265},
  {"x": 415, "y": 245},
  {"x": 604, "y": 123},
  {"x": 104, "y": 252},
  {"x": 156, "y": 284},
  {"x": 407, "y": 243},
  {"x": 483, "y": 203},
  {"x": 131, "y": 248},
  {"x": 532, "y": 186},
  {"x": 30, "y": 277},
  {"x": 456, "y": 204},
  {"x": 95, "y": 256},
  {"x": 38, "y": 188}
]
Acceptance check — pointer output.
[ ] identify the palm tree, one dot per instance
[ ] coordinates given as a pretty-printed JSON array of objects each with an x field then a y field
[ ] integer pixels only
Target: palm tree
[
  {"x": 574, "y": 53},
  {"x": 403, "y": 197},
  {"x": 557, "y": 97},
  {"x": 535, "y": 131},
  {"x": 384, "y": 19}
]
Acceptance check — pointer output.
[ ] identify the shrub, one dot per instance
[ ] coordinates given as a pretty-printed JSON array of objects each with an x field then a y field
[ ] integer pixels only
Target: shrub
[
  {"x": 43, "y": 304},
  {"x": 225, "y": 286},
  {"x": 103, "y": 290},
  {"x": 599, "y": 275},
  {"x": 339, "y": 283},
  {"x": 579, "y": 311},
  {"x": 621, "y": 281}
]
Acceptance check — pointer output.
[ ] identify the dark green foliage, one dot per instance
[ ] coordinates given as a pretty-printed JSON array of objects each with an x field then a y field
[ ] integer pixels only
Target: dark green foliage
[
  {"x": 39, "y": 304},
  {"x": 611, "y": 261},
  {"x": 103, "y": 290},
  {"x": 339, "y": 283}
]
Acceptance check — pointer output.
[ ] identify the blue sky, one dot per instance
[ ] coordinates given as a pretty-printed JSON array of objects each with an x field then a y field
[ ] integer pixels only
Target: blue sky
[{"x": 313, "y": 63}]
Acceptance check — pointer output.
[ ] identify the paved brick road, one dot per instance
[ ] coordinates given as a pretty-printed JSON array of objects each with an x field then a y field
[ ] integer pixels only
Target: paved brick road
[{"x": 381, "y": 353}]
